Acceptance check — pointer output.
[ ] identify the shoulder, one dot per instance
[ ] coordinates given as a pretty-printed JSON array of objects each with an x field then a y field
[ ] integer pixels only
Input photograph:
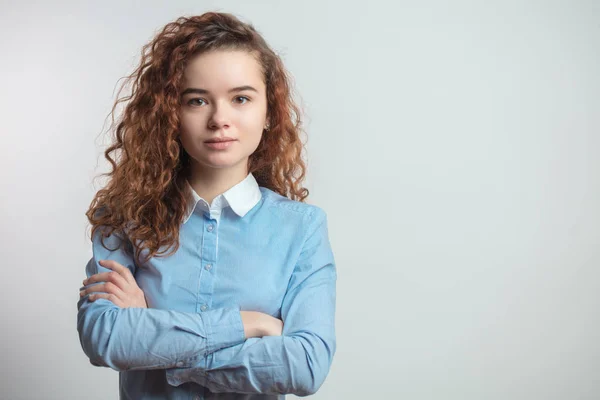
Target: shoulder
[{"x": 292, "y": 210}]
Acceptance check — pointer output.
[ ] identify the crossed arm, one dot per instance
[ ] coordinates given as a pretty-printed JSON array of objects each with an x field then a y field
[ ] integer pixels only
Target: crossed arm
[{"x": 210, "y": 348}]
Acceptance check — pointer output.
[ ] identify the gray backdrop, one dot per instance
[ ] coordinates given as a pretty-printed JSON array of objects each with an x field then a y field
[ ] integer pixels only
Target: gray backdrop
[{"x": 453, "y": 145}]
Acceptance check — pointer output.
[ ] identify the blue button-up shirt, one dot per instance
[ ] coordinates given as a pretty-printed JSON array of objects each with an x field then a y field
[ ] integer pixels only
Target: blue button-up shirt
[{"x": 251, "y": 249}]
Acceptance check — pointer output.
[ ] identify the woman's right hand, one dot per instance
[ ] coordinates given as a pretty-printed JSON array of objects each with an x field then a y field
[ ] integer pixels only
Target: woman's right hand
[{"x": 258, "y": 324}]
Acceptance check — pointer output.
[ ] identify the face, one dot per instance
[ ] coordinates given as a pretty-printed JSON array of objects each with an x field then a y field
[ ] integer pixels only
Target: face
[{"x": 224, "y": 96}]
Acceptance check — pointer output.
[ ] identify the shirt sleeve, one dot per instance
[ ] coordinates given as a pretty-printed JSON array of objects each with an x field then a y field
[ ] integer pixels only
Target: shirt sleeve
[
  {"x": 298, "y": 361},
  {"x": 147, "y": 338}
]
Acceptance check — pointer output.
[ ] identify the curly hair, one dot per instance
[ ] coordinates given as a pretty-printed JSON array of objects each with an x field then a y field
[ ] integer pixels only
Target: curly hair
[{"x": 144, "y": 200}]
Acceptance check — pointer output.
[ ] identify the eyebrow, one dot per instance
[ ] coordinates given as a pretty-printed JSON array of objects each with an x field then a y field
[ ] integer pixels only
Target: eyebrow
[{"x": 204, "y": 91}]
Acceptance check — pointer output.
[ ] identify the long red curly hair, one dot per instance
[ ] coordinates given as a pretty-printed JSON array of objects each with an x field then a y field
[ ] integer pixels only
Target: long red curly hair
[{"x": 144, "y": 200}]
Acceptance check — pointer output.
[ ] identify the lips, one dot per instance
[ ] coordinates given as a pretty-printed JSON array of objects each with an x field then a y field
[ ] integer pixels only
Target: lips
[{"x": 220, "y": 139}]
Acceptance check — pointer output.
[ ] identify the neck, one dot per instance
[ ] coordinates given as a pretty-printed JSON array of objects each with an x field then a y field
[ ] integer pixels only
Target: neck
[{"x": 211, "y": 182}]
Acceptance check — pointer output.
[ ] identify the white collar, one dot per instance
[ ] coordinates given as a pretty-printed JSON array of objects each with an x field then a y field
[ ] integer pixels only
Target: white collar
[{"x": 241, "y": 198}]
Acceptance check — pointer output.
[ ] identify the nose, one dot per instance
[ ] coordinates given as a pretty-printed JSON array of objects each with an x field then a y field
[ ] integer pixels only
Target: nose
[{"x": 219, "y": 119}]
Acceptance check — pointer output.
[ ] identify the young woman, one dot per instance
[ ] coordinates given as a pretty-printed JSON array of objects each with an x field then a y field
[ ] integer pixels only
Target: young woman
[{"x": 211, "y": 277}]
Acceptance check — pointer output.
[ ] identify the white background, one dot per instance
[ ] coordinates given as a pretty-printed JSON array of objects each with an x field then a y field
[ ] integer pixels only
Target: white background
[{"x": 454, "y": 146}]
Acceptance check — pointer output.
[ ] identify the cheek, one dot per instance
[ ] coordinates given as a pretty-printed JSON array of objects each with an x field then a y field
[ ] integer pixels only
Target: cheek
[
  {"x": 189, "y": 123},
  {"x": 187, "y": 133},
  {"x": 253, "y": 123},
  {"x": 254, "y": 132},
  {"x": 256, "y": 141},
  {"x": 190, "y": 128}
]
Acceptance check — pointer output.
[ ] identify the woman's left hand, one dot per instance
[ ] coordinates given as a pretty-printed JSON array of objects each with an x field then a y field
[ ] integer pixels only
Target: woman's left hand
[{"x": 121, "y": 287}]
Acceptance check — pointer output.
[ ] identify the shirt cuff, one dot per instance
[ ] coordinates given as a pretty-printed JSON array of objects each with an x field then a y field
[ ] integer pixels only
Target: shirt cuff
[{"x": 224, "y": 328}]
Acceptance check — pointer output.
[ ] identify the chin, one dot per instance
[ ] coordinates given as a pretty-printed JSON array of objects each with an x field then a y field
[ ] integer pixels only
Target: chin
[{"x": 220, "y": 162}]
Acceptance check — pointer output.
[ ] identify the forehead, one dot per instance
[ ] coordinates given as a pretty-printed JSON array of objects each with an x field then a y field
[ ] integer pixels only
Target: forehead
[{"x": 223, "y": 69}]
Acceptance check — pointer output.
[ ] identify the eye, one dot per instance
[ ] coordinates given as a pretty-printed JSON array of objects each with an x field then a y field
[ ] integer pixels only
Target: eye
[
  {"x": 191, "y": 101},
  {"x": 243, "y": 97}
]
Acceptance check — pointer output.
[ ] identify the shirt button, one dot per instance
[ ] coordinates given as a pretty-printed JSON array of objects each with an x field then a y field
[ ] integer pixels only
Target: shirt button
[
  {"x": 203, "y": 307},
  {"x": 210, "y": 228},
  {"x": 208, "y": 267}
]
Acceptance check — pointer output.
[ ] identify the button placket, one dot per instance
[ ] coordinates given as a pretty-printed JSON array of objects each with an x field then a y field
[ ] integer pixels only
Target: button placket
[{"x": 208, "y": 256}]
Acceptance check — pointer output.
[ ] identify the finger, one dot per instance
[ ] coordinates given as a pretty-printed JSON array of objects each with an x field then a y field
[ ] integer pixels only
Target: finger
[
  {"x": 107, "y": 296},
  {"x": 108, "y": 287},
  {"x": 111, "y": 276},
  {"x": 115, "y": 266}
]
